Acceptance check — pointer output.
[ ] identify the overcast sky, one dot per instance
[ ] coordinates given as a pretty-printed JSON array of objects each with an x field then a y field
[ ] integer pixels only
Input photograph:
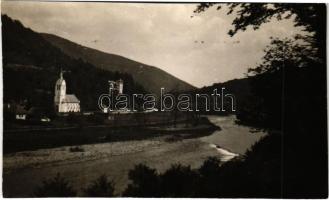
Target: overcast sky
[{"x": 162, "y": 35}]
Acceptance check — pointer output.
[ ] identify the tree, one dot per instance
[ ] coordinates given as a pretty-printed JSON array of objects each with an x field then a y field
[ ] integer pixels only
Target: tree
[
  {"x": 101, "y": 187},
  {"x": 56, "y": 187},
  {"x": 210, "y": 181},
  {"x": 280, "y": 100},
  {"x": 145, "y": 182},
  {"x": 179, "y": 181},
  {"x": 284, "y": 53},
  {"x": 310, "y": 16}
]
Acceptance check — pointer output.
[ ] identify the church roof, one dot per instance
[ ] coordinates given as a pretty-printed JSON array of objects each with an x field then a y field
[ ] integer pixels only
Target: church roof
[{"x": 71, "y": 98}]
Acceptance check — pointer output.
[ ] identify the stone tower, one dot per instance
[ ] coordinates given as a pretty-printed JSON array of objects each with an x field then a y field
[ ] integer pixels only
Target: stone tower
[{"x": 60, "y": 92}]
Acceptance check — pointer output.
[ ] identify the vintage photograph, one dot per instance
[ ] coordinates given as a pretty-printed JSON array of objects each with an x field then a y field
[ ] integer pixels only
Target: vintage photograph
[{"x": 164, "y": 99}]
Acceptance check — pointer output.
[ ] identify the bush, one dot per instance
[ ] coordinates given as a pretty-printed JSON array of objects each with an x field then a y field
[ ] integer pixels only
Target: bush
[
  {"x": 179, "y": 181},
  {"x": 101, "y": 187},
  {"x": 145, "y": 182},
  {"x": 76, "y": 149},
  {"x": 56, "y": 187}
]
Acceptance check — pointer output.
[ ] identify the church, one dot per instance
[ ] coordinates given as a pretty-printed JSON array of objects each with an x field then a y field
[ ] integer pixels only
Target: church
[{"x": 65, "y": 103}]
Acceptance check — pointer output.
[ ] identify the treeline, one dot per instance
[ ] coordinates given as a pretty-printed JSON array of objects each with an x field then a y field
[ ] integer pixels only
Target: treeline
[
  {"x": 32, "y": 66},
  {"x": 248, "y": 176},
  {"x": 239, "y": 89},
  {"x": 292, "y": 100},
  {"x": 61, "y": 187},
  {"x": 239, "y": 178},
  {"x": 288, "y": 93}
]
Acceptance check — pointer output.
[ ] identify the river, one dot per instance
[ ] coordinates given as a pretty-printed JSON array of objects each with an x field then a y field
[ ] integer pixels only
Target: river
[{"x": 24, "y": 171}]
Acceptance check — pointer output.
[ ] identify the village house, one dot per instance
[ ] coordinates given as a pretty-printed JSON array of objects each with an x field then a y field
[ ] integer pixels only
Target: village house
[{"x": 20, "y": 113}]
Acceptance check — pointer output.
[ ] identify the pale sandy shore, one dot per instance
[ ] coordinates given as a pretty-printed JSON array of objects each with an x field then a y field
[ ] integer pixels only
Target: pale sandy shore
[
  {"x": 63, "y": 155},
  {"x": 23, "y": 171}
]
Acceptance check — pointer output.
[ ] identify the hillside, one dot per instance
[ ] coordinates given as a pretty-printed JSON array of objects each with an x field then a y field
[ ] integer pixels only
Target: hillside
[
  {"x": 151, "y": 78},
  {"x": 31, "y": 67},
  {"x": 240, "y": 88}
]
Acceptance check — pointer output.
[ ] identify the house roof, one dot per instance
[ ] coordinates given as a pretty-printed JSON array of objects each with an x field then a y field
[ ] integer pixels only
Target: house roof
[{"x": 71, "y": 98}]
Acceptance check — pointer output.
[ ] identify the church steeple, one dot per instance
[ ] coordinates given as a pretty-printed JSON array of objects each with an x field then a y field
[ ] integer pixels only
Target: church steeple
[
  {"x": 60, "y": 89},
  {"x": 63, "y": 102},
  {"x": 61, "y": 74}
]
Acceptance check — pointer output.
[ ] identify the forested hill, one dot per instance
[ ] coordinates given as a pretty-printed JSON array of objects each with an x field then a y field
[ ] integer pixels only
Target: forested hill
[
  {"x": 241, "y": 89},
  {"x": 151, "y": 78},
  {"x": 31, "y": 67}
]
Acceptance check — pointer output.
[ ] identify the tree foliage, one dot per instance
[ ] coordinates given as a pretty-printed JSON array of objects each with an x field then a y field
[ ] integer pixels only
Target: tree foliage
[
  {"x": 284, "y": 53},
  {"x": 101, "y": 187},
  {"x": 238, "y": 178},
  {"x": 288, "y": 94},
  {"x": 312, "y": 17},
  {"x": 55, "y": 187},
  {"x": 178, "y": 181},
  {"x": 145, "y": 182}
]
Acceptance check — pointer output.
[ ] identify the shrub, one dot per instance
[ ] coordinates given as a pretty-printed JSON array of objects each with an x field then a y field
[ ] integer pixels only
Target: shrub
[
  {"x": 145, "y": 182},
  {"x": 56, "y": 187},
  {"x": 76, "y": 149},
  {"x": 179, "y": 181},
  {"x": 101, "y": 187}
]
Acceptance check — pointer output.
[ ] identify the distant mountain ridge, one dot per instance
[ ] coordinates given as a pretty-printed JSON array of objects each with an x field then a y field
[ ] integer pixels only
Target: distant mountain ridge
[
  {"x": 31, "y": 66},
  {"x": 151, "y": 78}
]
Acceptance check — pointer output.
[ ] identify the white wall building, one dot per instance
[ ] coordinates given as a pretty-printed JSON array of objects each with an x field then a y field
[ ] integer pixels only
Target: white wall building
[
  {"x": 65, "y": 103},
  {"x": 116, "y": 86}
]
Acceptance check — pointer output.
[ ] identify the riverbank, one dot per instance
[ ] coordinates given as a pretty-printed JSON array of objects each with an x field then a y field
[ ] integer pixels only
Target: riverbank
[
  {"x": 117, "y": 158},
  {"x": 53, "y": 138}
]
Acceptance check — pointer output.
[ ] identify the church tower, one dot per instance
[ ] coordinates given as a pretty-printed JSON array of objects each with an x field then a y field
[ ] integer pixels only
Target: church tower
[
  {"x": 60, "y": 92},
  {"x": 120, "y": 86},
  {"x": 65, "y": 103}
]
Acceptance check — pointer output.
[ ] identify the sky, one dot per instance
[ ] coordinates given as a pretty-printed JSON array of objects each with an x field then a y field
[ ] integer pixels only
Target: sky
[{"x": 195, "y": 49}]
